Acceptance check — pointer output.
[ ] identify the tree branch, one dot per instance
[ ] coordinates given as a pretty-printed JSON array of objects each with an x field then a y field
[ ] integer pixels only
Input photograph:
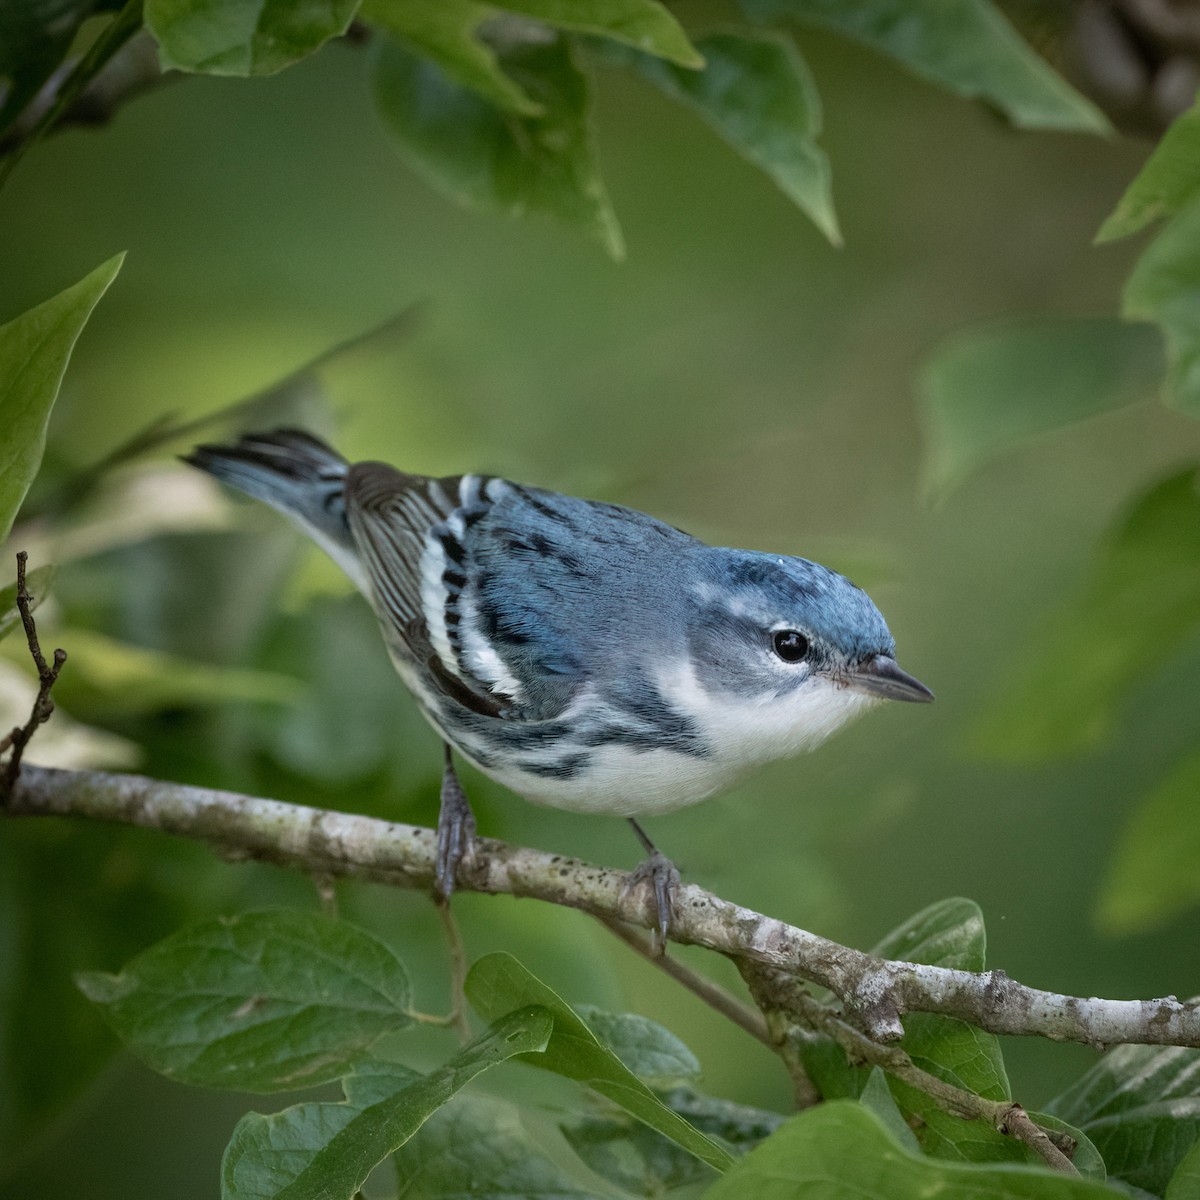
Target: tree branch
[{"x": 875, "y": 993}]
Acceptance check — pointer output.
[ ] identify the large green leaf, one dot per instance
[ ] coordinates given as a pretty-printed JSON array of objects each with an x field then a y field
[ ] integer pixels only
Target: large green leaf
[
  {"x": 490, "y": 159},
  {"x": 478, "y": 1147},
  {"x": 759, "y": 95},
  {"x": 1169, "y": 180},
  {"x": 654, "y": 1054},
  {"x": 37, "y": 584},
  {"x": 842, "y": 1151},
  {"x": 965, "y": 45},
  {"x": 1072, "y": 677},
  {"x": 1165, "y": 287},
  {"x": 269, "y": 1001},
  {"x": 1140, "y": 1105},
  {"x": 637, "y": 1158},
  {"x": 34, "y": 351},
  {"x": 243, "y": 37},
  {"x": 325, "y": 1151},
  {"x": 1153, "y": 875},
  {"x": 498, "y": 983},
  {"x": 1185, "y": 1183},
  {"x": 986, "y": 390},
  {"x": 445, "y": 32},
  {"x": 644, "y": 24}
]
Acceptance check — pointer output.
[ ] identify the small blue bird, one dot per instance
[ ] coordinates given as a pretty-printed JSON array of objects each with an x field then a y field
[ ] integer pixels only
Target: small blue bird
[{"x": 585, "y": 655}]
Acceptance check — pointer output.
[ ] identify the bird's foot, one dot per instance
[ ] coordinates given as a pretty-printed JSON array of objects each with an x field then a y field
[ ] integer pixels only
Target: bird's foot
[
  {"x": 455, "y": 831},
  {"x": 659, "y": 872}
]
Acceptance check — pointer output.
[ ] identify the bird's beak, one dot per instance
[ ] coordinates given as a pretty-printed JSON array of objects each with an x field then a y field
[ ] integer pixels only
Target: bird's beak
[{"x": 881, "y": 676}]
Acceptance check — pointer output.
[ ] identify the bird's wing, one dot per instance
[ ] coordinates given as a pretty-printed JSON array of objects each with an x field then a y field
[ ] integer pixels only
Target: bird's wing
[{"x": 484, "y": 583}]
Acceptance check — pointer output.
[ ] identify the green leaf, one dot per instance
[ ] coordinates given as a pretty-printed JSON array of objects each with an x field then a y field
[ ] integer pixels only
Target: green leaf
[
  {"x": 842, "y": 1151},
  {"x": 445, "y": 32},
  {"x": 636, "y": 1158},
  {"x": 34, "y": 352},
  {"x": 266, "y": 1002},
  {"x": 1149, "y": 564},
  {"x": 877, "y": 1096},
  {"x": 1140, "y": 1105},
  {"x": 37, "y": 584},
  {"x": 483, "y": 157},
  {"x": 967, "y": 46},
  {"x": 987, "y": 390},
  {"x": 644, "y": 24},
  {"x": 325, "y": 1151},
  {"x": 121, "y": 679},
  {"x": 243, "y": 37},
  {"x": 498, "y": 983},
  {"x": 759, "y": 95},
  {"x": 1153, "y": 875},
  {"x": 479, "y": 1147},
  {"x": 1165, "y": 287},
  {"x": 1167, "y": 182},
  {"x": 654, "y": 1054},
  {"x": 1185, "y": 1183}
]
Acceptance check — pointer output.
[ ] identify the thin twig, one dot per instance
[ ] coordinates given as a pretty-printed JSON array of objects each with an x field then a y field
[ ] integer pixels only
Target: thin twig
[
  {"x": 43, "y": 705},
  {"x": 458, "y": 970},
  {"x": 873, "y": 992}
]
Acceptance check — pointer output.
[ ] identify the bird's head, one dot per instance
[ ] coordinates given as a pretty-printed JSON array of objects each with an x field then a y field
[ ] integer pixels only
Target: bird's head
[{"x": 792, "y": 644}]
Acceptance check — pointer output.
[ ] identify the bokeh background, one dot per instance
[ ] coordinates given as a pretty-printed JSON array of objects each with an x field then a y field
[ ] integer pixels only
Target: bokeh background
[{"x": 735, "y": 376}]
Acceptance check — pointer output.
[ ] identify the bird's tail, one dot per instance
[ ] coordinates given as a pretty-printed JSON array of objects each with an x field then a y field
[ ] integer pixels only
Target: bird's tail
[{"x": 298, "y": 474}]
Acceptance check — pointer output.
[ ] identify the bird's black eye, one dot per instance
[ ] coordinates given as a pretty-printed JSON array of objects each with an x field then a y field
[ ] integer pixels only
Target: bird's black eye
[{"x": 790, "y": 645}]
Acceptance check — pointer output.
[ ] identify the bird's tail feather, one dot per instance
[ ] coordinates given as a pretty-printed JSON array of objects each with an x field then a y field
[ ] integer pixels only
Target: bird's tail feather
[{"x": 296, "y": 473}]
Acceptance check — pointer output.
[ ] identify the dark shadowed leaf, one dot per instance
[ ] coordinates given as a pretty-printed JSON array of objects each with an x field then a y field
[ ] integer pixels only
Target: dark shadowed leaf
[
  {"x": 654, "y": 1054},
  {"x": 37, "y": 584},
  {"x": 758, "y": 94},
  {"x": 1148, "y": 564},
  {"x": 1169, "y": 180},
  {"x": 325, "y": 1151},
  {"x": 987, "y": 390},
  {"x": 1165, "y": 287},
  {"x": 266, "y": 1002},
  {"x": 479, "y": 1147},
  {"x": 635, "y": 1157},
  {"x": 486, "y": 158},
  {"x": 1140, "y": 1106},
  {"x": 967, "y": 45},
  {"x": 243, "y": 37},
  {"x": 498, "y": 983},
  {"x": 1153, "y": 875},
  {"x": 842, "y": 1151},
  {"x": 34, "y": 351}
]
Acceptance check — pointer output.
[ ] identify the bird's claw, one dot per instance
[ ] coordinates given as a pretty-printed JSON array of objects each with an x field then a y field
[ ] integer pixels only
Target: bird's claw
[
  {"x": 659, "y": 872},
  {"x": 455, "y": 833}
]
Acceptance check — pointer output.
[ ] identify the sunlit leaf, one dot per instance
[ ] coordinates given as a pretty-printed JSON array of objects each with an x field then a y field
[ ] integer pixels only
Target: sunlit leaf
[
  {"x": 1140, "y": 1105},
  {"x": 37, "y": 584},
  {"x": 1165, "y": 287},
  {"x": 1155, "y": 872},
  {"x": 34, "y": 351},
  {"x": 987, "y": 390},
  {"x": 265, "y": 1002},
  {"x": 498, "y": 983},
  {"x": 759, "y": 95},
  {"x": 644, "y": 24},
  {"x": 965, "y": 45},
  {"x": 1072, "y": 678},
  {"x": 478, "y": 1147},
  {"x": 445, "y": 33},
  {"x": 1169, "y": 180},
  {"x": 243, "y": 37},
  {"x": 325, "y": 1151},
  {"x": 841, "y": 1150},
  {"x": 486, "y": 158}
]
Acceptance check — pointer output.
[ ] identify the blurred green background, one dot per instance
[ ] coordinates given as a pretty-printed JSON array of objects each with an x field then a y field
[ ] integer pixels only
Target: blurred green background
[{"x": 735, "y": 376}]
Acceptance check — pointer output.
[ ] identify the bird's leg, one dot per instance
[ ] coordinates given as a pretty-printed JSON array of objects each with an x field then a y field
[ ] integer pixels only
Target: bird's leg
[
  {"x": 456, "y": 829},
  {"x": 659, "y": 871}
]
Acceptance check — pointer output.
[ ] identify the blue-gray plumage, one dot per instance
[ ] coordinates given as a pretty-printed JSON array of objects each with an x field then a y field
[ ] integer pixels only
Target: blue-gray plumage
[{"x": 586, "y": 655}]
